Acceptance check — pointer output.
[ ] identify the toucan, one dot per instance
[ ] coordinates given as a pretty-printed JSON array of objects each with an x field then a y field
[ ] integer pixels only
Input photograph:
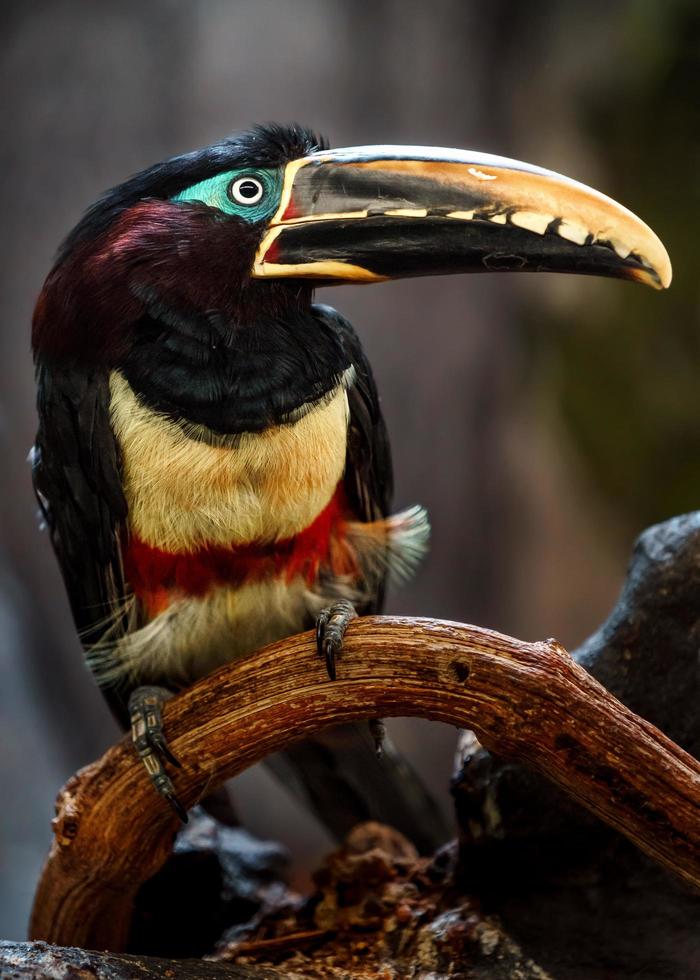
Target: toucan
[{"x": 211, "y": 459}]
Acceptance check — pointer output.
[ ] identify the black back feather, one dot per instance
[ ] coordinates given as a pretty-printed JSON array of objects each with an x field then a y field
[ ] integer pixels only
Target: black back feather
[
  {"x": 77, "y": 480},
  {"x": 368, "y": 479}
]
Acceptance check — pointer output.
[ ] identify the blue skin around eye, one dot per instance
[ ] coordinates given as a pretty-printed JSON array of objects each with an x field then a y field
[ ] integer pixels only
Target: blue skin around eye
[{"x": 213, "y": 193}]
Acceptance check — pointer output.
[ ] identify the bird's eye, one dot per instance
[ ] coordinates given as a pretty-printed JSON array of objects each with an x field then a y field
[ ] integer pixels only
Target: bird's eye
[{"x": 245, "y": 190}]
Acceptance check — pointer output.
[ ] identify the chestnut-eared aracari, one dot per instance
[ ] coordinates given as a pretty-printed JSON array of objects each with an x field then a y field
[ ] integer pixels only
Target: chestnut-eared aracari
[{"x": 211, "y": 459}]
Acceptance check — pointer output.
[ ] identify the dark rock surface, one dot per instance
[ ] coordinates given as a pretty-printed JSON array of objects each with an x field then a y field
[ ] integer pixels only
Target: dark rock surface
[
  {"x": 217, "y": 877},
  {"x": 575, "y": 894}
]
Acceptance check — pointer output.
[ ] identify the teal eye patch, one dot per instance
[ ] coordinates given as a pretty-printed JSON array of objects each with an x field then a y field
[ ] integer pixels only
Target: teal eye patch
[{"x": 247, "y": 193}]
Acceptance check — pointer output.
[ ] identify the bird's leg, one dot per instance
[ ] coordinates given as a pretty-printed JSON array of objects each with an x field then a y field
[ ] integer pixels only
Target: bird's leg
[
  {"x": 330, "y": 630},
  {"x": 146, "y": 715},
  {"x": 377, "y": 730}
]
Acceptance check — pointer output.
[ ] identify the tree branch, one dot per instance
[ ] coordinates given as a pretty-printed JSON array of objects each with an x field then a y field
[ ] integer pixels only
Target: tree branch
[
  {"x": 37, "y": 961},
  {"x": 646, "y": 654},
  {"x": 527, "y": 701}
]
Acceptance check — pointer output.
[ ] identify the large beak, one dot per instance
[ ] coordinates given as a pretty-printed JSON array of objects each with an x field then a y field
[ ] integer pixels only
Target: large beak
[{"x": 381, "y": 212}]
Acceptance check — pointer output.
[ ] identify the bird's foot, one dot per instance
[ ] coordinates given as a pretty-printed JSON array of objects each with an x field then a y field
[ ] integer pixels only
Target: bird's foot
[
  {"x": 377, "y": 730},
  {"x": 330, "y": 630},
  {"x": 146, "y": 715}
]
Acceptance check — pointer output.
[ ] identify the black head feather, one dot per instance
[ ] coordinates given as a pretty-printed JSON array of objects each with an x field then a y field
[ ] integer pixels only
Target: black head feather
[{"x": 269, "y": 145}]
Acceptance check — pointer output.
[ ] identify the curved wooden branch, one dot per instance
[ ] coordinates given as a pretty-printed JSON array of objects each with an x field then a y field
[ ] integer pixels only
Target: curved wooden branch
[{"x": 527, "y": 701}]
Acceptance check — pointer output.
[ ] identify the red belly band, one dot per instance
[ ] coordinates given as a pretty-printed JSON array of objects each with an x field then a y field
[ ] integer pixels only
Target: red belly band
[{"x": 154, "y": 574}]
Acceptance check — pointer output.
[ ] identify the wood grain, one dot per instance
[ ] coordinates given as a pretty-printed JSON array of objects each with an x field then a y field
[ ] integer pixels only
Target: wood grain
[{"x": 525, "y": 701}]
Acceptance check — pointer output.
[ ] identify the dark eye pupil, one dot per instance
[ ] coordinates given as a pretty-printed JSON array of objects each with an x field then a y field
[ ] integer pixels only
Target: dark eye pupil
[{"x": 248, "y": 188}]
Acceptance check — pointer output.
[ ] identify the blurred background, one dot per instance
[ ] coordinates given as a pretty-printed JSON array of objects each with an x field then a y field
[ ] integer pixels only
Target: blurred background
[{"x": 543, "y": 421}]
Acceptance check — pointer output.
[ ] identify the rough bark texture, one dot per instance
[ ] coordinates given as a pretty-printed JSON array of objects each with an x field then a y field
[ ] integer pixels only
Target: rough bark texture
[
  {"x": 646, "y": 654},
  {"x": 41, "y": 961},
  {"x": 569, "y": 889},
  {"x": 530, "y": 701}
]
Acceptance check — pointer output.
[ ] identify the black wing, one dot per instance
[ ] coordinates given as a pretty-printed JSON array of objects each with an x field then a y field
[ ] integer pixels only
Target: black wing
[
  {"x": 77, "y": 480},
  {"x": 368, "y": 472}
]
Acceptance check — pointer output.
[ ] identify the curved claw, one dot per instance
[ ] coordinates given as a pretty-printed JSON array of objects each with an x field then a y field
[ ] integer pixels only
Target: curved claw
[
  {"x": 176, "y": 806},
  {"x": 321, "y": 621},
  {"x": 161, "y": 746},
  {"x": 329, "y": 653},
  {"x": 330, "y": 630}
]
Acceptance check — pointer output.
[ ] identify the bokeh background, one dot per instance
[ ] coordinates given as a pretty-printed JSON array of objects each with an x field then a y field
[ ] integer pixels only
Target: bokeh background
[{"x": 544, "y": 421}]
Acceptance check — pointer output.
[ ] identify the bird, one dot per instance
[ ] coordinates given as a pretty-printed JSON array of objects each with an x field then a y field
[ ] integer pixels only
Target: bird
[{"x": 211, "y": 461}]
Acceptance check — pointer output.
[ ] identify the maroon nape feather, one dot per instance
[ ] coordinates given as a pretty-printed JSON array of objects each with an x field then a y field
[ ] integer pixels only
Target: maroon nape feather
[
  {"x": 187, "y": 254},
  {"x": 81, "y": 316}
]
